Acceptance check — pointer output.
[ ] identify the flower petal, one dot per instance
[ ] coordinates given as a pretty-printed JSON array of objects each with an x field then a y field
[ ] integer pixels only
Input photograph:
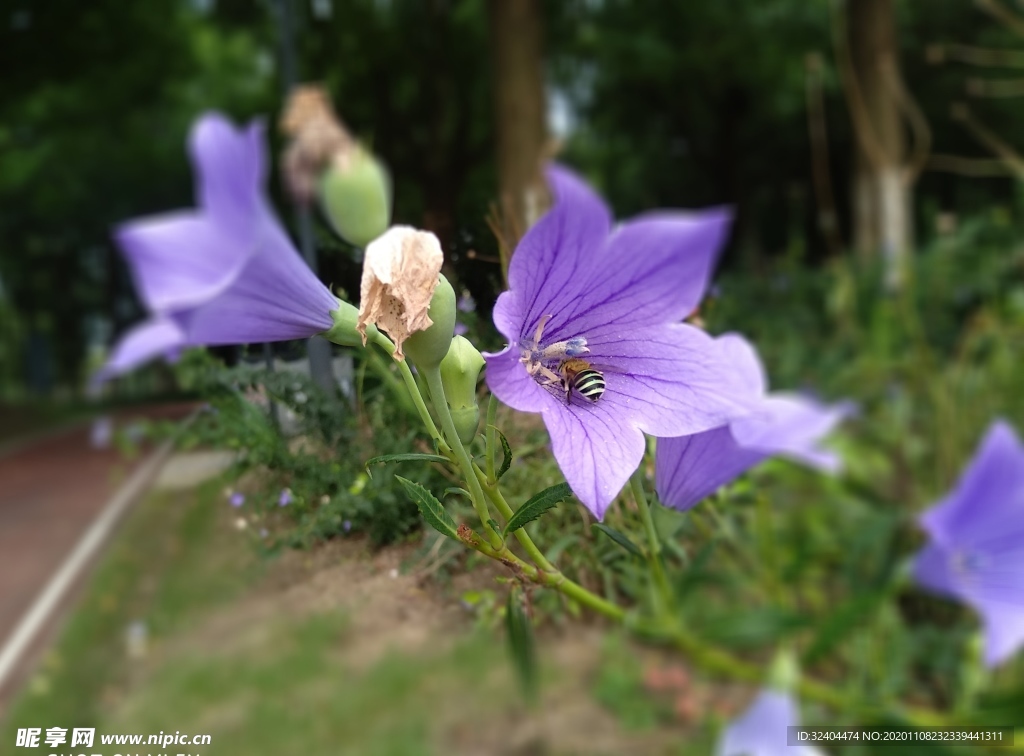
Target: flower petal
[
  {"x": 181, "y": 259},
  {"x": 595, "y": 451},
  {"x": 653, "y": 269},
  {"x": 508, "y": 379},
  {"x": 508, "y": 316},
  {"x": 140, "y": 344},
  {"x": 792, "y": 426},
  {"x": 688, "y": 469},
  {"x": 762, "y": 729},
  {"x": 230, "y": 169},
  {"x": 669, "y": 380},
  {"x": 551, "y": 263},
  {"x": 932, "y": 568},
  {"x": 1004, "y": 631},
  {"x": 988, "y": 498},
  {"x": 274, "y": 297},
  {"x": 744, "y": 360}
]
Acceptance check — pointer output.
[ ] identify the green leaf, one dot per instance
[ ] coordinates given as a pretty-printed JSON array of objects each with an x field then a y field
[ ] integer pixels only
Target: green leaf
[
  {"x": 695, "y": 573},
  {"x": 430, "y": 508},
  {"x": 620, "y": 538},
  {"x": 458, "y": 491},
  {"x": 561, "y": 545},
  {"x": 495, "y": 525},
  {"x": 749, "y": 628},
  {"x": 506, "y": 450},
  {"x": 847, "y": 617},
  {"x": 537, "y": 505},
  {"x": 411, "y": 457},
  {"x": 520, "y": 645}
]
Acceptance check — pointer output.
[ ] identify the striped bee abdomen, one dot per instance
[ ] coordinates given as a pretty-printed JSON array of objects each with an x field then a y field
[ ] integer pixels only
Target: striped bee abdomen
[{"x": 589, "y": 383}]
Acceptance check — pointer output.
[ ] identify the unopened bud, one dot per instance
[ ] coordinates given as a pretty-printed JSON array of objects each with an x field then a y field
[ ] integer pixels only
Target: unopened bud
[
  {"x": 784, "y": 673},
  {"x": 429, "y": 347},
  {"x": 355, "y": 196},
  {"x": 460, "y": 370},
  {"x": 323, "y": 159}
]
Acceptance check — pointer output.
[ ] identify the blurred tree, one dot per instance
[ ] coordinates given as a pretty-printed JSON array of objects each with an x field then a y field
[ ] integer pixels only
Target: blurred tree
[
  {"x": 412, "y": 79},
  {"x": 96, "y": 102},
  {"x": 881, "y": 108},
  {"x": 691, "y": 104},
  {"x": 516, "y": 45},
  {"x": 695, "y": 104}
]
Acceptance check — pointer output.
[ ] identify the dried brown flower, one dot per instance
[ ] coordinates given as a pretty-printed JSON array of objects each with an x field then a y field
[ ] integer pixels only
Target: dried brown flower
[{"x": 400, "y": 273}]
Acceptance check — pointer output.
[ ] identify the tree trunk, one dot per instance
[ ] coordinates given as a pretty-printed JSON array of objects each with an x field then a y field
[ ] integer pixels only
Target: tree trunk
[
  {"x": 881, "y": 192},
  {"x": 520, "y": 107}
]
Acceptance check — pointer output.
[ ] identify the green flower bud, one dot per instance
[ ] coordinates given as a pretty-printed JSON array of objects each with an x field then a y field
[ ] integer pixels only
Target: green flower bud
[
  {"x": 466, "y": 422},
  {"x": 784, "y": 673},
  {"x": 344, "y": 331},
  {"x": 460, "y": 370},
  {"x": 355, "y": 195},
  {"x": 428, "y": 347}
]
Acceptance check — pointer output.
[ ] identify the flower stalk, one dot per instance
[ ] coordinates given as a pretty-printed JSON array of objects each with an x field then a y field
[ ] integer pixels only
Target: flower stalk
[
  {"x": 662, "y": 589},
  {"x": 436, "y": 388}
]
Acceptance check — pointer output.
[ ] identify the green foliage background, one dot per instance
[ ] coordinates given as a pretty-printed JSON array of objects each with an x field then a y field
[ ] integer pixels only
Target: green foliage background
[{"x": 671, "y": 104}]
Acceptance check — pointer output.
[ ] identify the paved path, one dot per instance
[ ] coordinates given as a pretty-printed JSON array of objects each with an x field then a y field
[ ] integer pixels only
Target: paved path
[{"x": 50, "y": 492}]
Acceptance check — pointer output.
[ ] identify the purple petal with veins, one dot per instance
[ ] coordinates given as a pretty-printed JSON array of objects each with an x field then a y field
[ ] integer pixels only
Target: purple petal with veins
[{"x": 612, "y": 298}]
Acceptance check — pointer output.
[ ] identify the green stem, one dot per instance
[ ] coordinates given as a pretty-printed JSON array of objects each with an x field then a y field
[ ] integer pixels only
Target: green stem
[
  {"x": 436, "y": 388},
  {"x": 383, "y": 371},
  {"x": 496, "y": 497},
  {"x": 414, "y": 392},
  {"x": 556, "y": 580},
  {"x": 636, "y": 485},
  {"x": 491, "y": 434},
  {"x": 722, "y": 662}
]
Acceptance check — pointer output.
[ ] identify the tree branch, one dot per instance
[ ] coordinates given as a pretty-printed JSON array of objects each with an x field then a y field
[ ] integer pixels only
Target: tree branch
[
  {"x": 974, "y": 56},
  {"x": 915, "y": 117},
  {"x": 970, "y": 167},
  {"x": 1003, "y": 15},
  {"x": 1010, "y": 157},
  {"x": 1001, "y": 88},
  {"x": 862, "y": 127}
]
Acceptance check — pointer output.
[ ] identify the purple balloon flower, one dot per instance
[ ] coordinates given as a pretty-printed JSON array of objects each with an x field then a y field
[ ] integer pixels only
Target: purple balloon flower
[
  {"x": 225, "y": 273},
  {"x": 690, "y": 468},
  {"x": 285, "y": 498},
  {"x": 236, "y": 499},
  {"x": 761, "y": 729},
  {"x": 976, "y": 553},
  {"x": 611, "y": 299}
]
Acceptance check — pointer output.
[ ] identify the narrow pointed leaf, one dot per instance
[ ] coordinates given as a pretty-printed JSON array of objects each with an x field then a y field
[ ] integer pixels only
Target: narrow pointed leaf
[
  {"x": 410, "y": 457},
  {"x": 620, "y": 538},
  {"x": 506, "y": 450},
  {"x": 459, "y": 492},
  {"x": 430, "y": 508},
  {"x": 520, "y": 645},
  {"x": 538, "y": 505}
]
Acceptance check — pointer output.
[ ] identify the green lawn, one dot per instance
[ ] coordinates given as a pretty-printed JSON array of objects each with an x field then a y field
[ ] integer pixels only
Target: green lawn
[{"x": 321, "y": 652}]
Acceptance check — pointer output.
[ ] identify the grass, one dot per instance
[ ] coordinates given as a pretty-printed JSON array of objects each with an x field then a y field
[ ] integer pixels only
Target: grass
[{"x": 230, "y": 654}]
